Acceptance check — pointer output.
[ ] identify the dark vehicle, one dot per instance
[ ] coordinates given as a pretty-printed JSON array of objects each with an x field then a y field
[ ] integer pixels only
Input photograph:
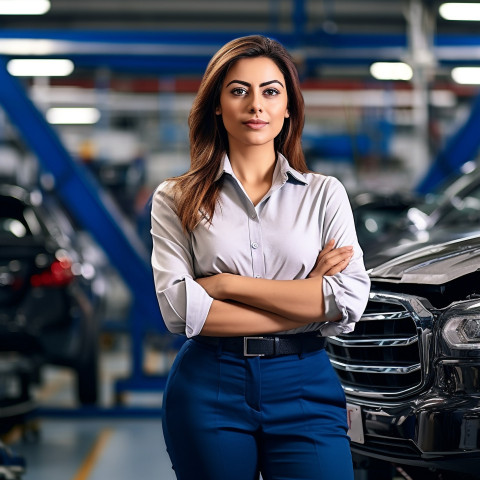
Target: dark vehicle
[
  {"x": 411, "y": 368},
  {"x": 457, "y": 202},
  {"x": 48, "y": 308},
  {"x": 376, "y": 214},
  {"x": 451, "y": 213}
]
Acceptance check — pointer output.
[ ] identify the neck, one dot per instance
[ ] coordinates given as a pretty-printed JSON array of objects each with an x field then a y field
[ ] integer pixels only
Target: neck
[{"x": 253, "y": 164}]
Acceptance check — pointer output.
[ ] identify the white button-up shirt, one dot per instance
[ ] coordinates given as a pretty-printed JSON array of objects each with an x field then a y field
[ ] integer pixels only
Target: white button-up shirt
[{"x": 279, "y": 238}]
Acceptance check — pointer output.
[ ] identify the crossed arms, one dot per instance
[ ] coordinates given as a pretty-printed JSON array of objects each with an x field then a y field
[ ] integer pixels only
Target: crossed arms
[{"x": 251, "y": 306}]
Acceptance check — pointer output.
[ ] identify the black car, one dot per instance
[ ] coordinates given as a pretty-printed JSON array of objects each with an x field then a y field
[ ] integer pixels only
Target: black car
[
  {"x": 48, "y": 308},
  {"x": 411, "y": 368},
  {"x": 450, "y": 214},
  {"x": 377, "y": 213}
]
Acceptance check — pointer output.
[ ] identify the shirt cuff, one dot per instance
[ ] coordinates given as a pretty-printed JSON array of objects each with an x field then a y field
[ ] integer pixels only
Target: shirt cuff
[
  {"x": 334, "y": 299},
  {"x": 185, "y": 307}
]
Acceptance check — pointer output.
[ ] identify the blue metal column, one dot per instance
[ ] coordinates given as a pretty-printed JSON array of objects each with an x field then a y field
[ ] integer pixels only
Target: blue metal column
[
  {"x": 299, "y": 21},
  {"x": 462, "y": 147},
  {"x": 96, "y": 213}
]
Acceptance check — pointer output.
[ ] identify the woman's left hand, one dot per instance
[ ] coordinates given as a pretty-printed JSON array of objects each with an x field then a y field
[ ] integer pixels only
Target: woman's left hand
[{"x": 331, "y": 260}]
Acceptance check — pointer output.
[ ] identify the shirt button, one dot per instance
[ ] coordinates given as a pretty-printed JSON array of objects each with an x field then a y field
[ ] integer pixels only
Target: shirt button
[
  {"x": 258, "y": 276},
  {"x": 253, "y": 215},
  {"x": 254, "y": 245}
]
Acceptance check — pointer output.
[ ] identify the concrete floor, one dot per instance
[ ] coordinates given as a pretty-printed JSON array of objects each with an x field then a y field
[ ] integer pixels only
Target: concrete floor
[
  {"x": 64, "y": 442},
  {"x": 97, "y": 449}
]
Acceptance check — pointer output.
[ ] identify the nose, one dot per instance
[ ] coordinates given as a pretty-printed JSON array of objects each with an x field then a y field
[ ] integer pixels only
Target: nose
[{"x": 256, "y": 105}]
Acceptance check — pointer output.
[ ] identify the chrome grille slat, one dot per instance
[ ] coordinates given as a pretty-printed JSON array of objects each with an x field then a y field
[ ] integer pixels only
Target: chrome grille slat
[
  {"x": 387, "y": 354},
  {"x": 397, "y": 369},
  {"x": 384, "y": 316},
  {"x": 374, "y": 342}
]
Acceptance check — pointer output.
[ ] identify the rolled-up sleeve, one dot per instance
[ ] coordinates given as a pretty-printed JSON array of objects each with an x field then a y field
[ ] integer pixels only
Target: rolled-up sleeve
[
  {"x": 345, "y": 293},
  {"x": 184, "y": 304}
]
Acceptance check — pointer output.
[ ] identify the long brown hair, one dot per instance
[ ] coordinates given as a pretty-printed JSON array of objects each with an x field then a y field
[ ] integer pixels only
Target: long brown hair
[{"x": 196, "y": 192}]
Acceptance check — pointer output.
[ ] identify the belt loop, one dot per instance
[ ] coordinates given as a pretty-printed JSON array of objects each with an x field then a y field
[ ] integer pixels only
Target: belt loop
[{"x": 276, "y": 344}]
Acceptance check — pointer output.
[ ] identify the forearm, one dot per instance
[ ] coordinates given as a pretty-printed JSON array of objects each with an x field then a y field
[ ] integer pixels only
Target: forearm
[
  {"x": 299, "y": 300},
  {"x": 227, "y": 319}
]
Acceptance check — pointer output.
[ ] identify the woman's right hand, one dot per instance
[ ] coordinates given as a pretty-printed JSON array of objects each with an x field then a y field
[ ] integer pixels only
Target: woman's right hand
[{"x": 331, "y": 260}]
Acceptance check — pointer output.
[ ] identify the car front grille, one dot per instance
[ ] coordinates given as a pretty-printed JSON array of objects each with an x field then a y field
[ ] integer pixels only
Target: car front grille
[{"x": 387, "y": 354}]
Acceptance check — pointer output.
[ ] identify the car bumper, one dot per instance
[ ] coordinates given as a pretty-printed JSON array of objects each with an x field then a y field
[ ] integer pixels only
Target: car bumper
[{"x": 431, "y": 430}]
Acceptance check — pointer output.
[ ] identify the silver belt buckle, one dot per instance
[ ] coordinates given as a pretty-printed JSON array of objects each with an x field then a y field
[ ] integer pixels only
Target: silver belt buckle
[{"x": 245, "y": 348}]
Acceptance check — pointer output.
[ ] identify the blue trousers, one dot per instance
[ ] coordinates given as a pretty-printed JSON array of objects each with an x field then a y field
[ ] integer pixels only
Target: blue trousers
[{"x": 229, "y": 417}]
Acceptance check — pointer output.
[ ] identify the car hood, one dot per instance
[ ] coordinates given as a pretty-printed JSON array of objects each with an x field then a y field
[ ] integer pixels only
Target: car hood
[{"x": 430, "y": 262}]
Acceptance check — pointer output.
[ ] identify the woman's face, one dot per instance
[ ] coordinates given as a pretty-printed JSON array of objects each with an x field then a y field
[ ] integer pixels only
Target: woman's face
[{"x": 253, "y": 102}]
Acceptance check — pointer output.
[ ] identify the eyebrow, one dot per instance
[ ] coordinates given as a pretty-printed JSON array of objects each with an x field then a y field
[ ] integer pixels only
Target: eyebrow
[{"x": 264, "y": 84}]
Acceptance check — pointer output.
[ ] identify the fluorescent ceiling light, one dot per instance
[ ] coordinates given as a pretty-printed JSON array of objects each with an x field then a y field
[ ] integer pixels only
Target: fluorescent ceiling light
[
  {"x": 37, "y": 67},
  {"x": 73, "y": 115},
  {"x": 24, "y": 7},
  {"x": 30, "y": 46},
  {"x": 460, "y": 11},
  {"x": 466, "y": 75},
  {"x": 391, "y": 71}
]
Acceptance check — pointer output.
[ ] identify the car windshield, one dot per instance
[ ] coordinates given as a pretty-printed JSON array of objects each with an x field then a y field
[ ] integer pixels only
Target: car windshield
[
  {"x": 463, "y": 210},
  {"x": 458, "y": 203}
]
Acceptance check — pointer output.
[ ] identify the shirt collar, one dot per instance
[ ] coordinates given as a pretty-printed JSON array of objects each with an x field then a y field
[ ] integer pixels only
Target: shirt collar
[
  {"x": 282, "y": 166},
  {"x": 225, "y": 167},
  {"x": 286, "y": 170}
]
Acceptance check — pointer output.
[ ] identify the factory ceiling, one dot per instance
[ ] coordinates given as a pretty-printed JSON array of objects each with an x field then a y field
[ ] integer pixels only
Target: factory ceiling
[
  {"x": 342, "y": 16},
  {"x": 332, "y": 39}
]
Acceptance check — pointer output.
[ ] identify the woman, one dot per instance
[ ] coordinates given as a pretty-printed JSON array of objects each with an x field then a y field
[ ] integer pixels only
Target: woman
[{"x": 256, "y": 261}]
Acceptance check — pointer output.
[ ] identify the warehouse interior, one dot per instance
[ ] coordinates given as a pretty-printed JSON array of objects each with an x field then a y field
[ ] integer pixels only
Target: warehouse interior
[{"x": 391, "y": 111}]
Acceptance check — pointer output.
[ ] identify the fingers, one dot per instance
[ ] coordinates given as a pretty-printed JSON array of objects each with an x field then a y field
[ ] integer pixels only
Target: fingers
[
  {"x": 327, "y": 248},
  {"x": 340, "y": 266},
  {"x": 332, "y": 260},
  {"x": 336, "y": 260}
]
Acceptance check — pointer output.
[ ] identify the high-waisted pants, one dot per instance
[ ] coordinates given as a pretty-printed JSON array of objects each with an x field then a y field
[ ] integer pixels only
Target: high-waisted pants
[{"x": 230, "y": 417}]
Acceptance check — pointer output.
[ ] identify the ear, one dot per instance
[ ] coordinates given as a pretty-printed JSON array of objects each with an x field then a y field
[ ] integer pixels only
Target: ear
[
  {"x": 287, "y": 113},
  {"x": 218, "y": 110}
]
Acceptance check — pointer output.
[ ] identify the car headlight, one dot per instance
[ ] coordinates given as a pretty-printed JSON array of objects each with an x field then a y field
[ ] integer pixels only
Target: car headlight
[{"x": 462, "y": 332}]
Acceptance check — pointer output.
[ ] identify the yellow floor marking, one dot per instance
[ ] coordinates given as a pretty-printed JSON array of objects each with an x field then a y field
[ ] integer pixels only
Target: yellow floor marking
[{"x": 93, "y": 455}]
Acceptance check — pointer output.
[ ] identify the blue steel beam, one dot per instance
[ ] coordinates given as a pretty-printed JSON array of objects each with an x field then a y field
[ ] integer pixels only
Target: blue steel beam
[
  {"x": 339, "y": 146},
  {"x": 299, "y": 21},
  {"x": 189, "y": 52},
  {"x": 65, "y": 40},
  {"x": 461, "y": 148}
]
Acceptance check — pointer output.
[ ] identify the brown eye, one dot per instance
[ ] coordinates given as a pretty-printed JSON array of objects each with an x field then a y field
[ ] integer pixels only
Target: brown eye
[
  {"x": 271, "y": 92},
  {"x": 238, "y": 91}
]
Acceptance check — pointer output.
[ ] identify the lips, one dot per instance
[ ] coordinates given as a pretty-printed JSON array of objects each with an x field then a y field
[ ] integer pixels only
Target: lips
[{"x": 255, "y": 123}]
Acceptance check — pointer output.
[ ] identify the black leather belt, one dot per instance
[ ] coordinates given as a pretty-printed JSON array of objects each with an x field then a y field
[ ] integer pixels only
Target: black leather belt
[{"x": 267, "y": 345}]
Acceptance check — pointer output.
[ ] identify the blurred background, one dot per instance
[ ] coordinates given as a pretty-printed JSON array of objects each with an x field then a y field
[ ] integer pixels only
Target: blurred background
[{"x": 94, "y": 99}]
